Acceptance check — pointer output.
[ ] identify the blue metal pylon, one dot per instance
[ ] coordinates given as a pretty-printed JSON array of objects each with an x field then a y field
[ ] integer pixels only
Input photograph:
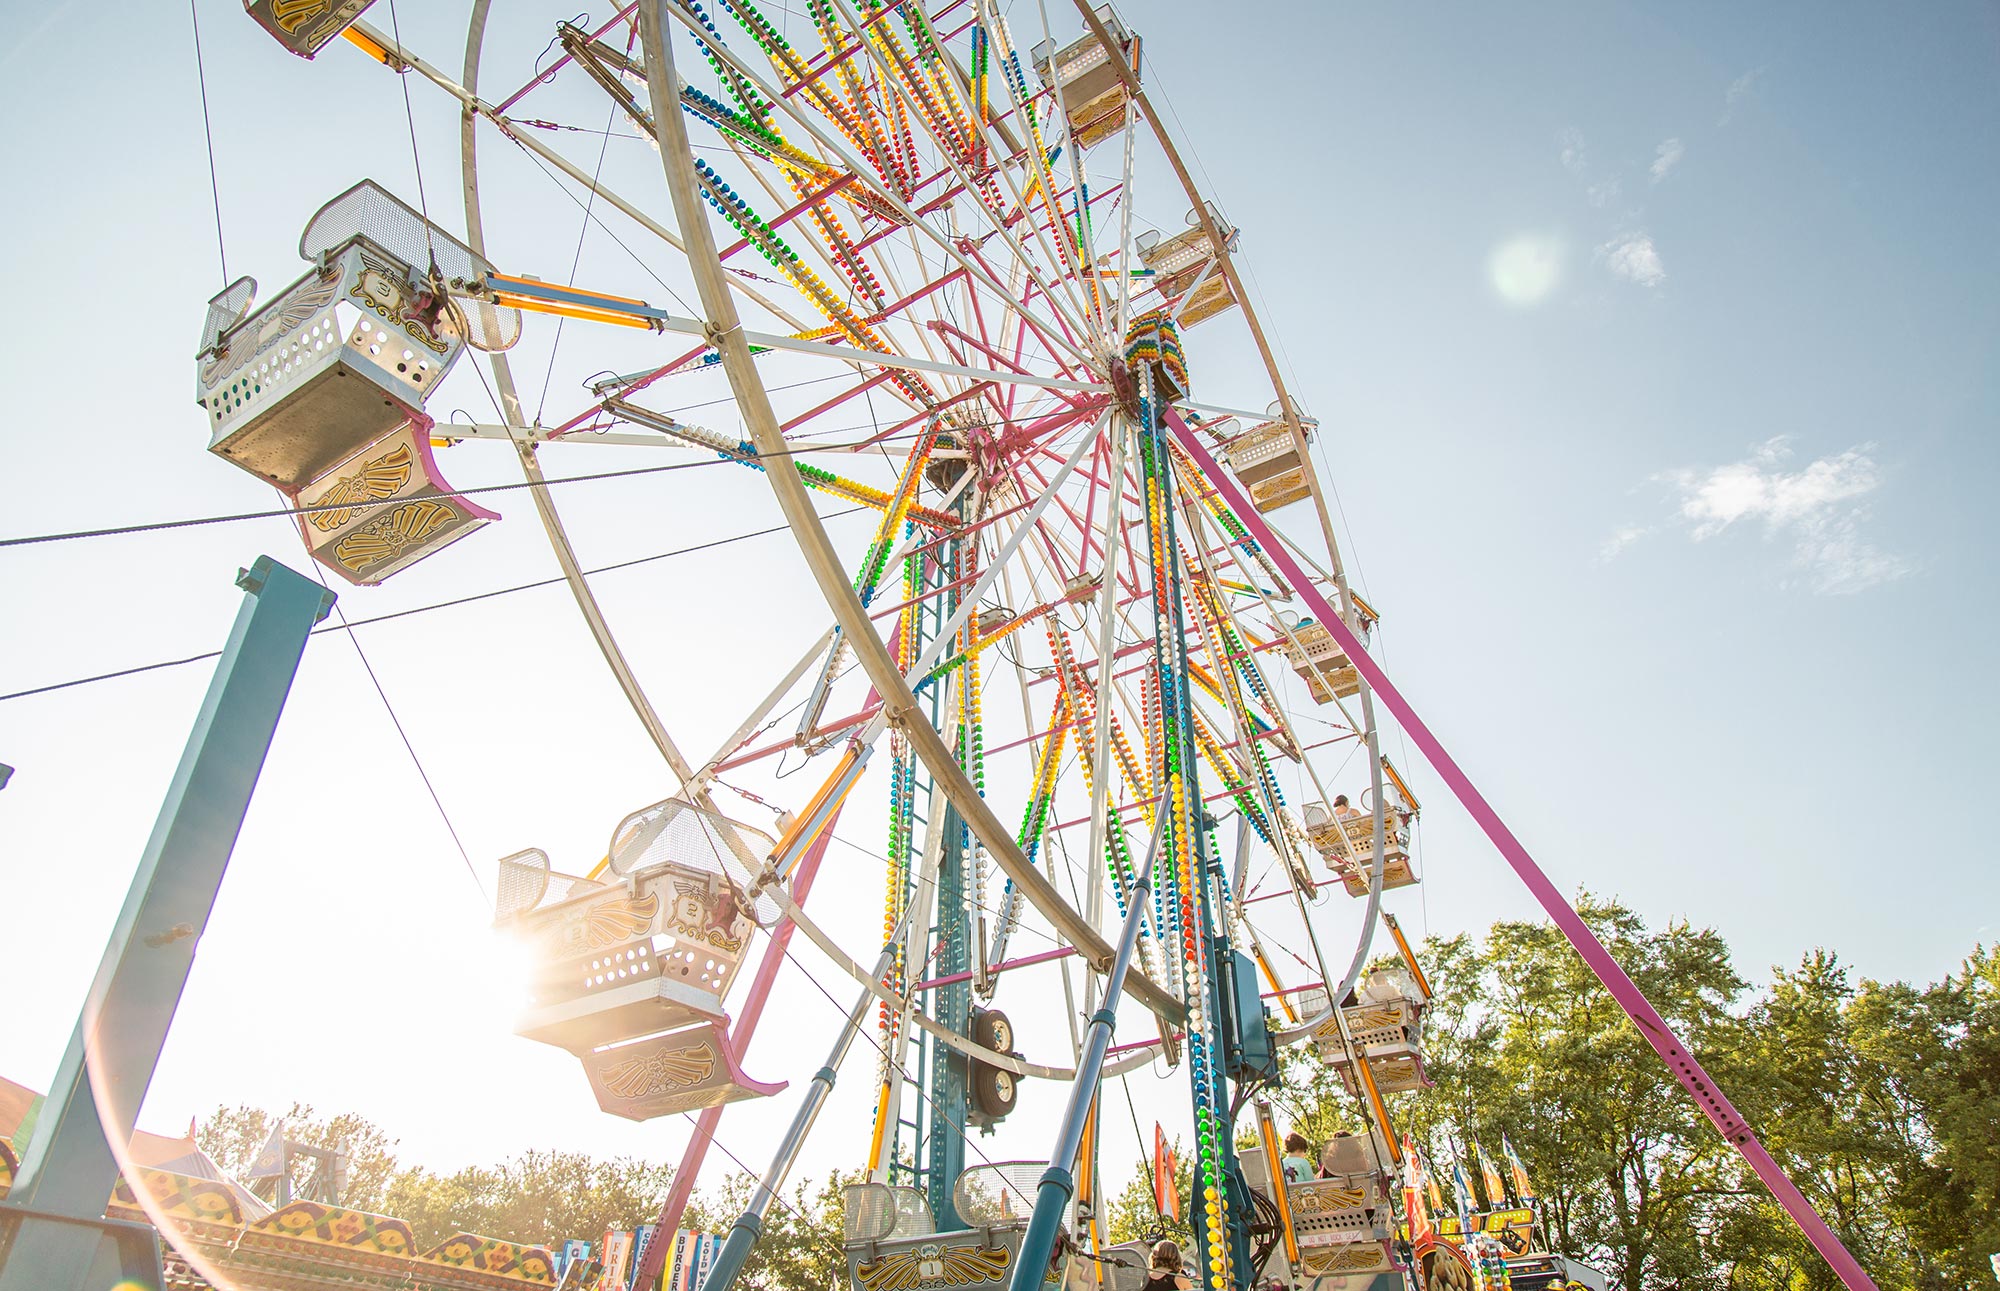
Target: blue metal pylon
[{"x": 71, "y": 1164}]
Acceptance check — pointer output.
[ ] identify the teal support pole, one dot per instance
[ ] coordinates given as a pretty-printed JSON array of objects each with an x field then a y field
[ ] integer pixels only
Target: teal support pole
[
  {"x": 950, "y": 1071},
  {"x": 71, "y": 1164},
  {"x": 1058, "y": 1182}
]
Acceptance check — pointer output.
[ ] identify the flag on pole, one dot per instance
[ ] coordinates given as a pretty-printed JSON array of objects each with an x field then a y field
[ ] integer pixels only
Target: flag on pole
[
  {"x": 1489, "y": 1178},
  {"x": 1524, "y": 1192},
  {"x": 1414, "y": 1178},
  {"x": 1431, "y": 1188},
  {"x": 677, "y": 1261},
  {"x": 617, "y": 1257},
  {"x": 1463, "y": 1193},
  {"x": 711, "y": 1246},
  {"x": 1166, "y": 1196},
  {"x": 270, "y": 1162}
]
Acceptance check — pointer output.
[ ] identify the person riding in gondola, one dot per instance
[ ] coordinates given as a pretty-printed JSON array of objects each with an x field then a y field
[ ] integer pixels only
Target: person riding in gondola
[{"x": 1298, "y": 1162}]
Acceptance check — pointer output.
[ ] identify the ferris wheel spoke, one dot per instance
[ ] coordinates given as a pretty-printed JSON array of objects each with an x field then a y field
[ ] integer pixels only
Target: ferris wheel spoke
[
  {"x": 544, "y": 504},
  {"x": 1108, "y": 312},
  {"x": 950, "y": 146},
  {"x": 1249, "y": 772},
  {"x": 509, "y": 129},
  {"x": 532, "y": 294},
  {"x": 834, "y": 148},
  {"x": 1073, "y": 253}
]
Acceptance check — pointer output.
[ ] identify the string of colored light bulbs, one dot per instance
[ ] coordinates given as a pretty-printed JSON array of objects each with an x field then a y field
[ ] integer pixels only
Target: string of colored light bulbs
[{"x": 1185, "y": 843}]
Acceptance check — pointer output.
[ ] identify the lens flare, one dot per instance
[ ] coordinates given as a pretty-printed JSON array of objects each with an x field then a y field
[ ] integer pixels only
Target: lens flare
[{"x": 1526, "y": 268}]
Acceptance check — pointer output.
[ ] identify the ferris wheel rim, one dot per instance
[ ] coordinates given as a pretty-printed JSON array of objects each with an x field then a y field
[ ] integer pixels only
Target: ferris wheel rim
[
  {"x": 606, "y": 639},
  {"x": 753, "y": 402},
  {"x": 475, "y": 222},
  {"x": 1364, "y": 941}
]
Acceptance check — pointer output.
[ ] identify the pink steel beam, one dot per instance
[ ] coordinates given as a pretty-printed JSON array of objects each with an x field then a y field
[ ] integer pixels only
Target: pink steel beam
[
  {"x": 922, "y": 414},
  {"x": 1268, "y": 896},
  {"x": 1061, "y": 952},
  {"x": 1699, "y": 1085},
  {"x": 1003, "y": 409},
  {"x": 838, "y": 399},
  {"x": 1041, "y": 531},
  {"x": 835, "y": 727},
  {"x": 886, "y": 311},
  {"x": 635, "y": 387},
  {"x": 1083, "y": 526},
  {"x": 812, "y": 199},
  {"x": 1053, "y": 349},
  {"x": 1136, "y": 1045}
]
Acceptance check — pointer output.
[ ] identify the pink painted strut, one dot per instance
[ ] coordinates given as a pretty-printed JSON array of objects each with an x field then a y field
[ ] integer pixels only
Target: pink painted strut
[
  {"x": 1679, "y": 1061},
  {"x": 655, "y": 1254},
  {"x": 1061, "y": 952}
]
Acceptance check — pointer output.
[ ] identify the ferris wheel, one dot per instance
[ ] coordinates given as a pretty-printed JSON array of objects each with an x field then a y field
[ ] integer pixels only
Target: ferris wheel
[{"x": 1095, "y": 674}]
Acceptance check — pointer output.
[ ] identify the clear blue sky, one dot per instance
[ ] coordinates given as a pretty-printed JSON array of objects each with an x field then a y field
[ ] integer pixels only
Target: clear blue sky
[{"x": 1655, "y": 355}]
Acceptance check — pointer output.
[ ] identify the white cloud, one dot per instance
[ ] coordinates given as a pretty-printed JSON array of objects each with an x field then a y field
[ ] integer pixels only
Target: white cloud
[
  {"x": 1621, "y": 538},
  {"x": 1739, "y": 90},
  {"x": 1603, "y": 192},
  {"x": 1570, "y": 141},
  {"x": 1633, "y": 257},
  {"x": 1667, "y": 157},
  {"x": 1818, "y": 510}
]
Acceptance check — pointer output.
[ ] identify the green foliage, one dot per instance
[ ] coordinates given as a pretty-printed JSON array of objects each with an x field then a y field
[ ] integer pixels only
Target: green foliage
[
  {"x": 1881, "y": 1101},
  {"x": 1522, "y": 1038},
  {"x": 234, "y": 1135},
  {"x": 545, "y": 1197},
  {"x": 801, "y": 1247},
  {"x": 536, "y": 1196}
]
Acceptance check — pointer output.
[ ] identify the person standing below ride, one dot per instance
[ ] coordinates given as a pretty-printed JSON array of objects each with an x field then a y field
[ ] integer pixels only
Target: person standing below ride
[
  {"x": 1343, "y": 809},
  {"x": 1164, "y": 1273},
  {"x": 1298, "y": 1162}
]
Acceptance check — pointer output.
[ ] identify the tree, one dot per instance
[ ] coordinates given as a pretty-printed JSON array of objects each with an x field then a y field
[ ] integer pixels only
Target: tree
[
  {"x": 537, "y": 1196},
  {"x": 1963, "y": 1099},
  {"x": 1524, "y": 1040},
  {"x": 544, "y": 1197},
  {"x": 233, "y": 1136},
  {"x": 1942, "y": 1044},
  {"x": 1882, "y": 1101},
  {"x": 1133, "y": 1214},
  {"x": 802, "y": 1246},
  {"x": 1883, "y": 1104},
  {"x": 1840, "y": 1115}
]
